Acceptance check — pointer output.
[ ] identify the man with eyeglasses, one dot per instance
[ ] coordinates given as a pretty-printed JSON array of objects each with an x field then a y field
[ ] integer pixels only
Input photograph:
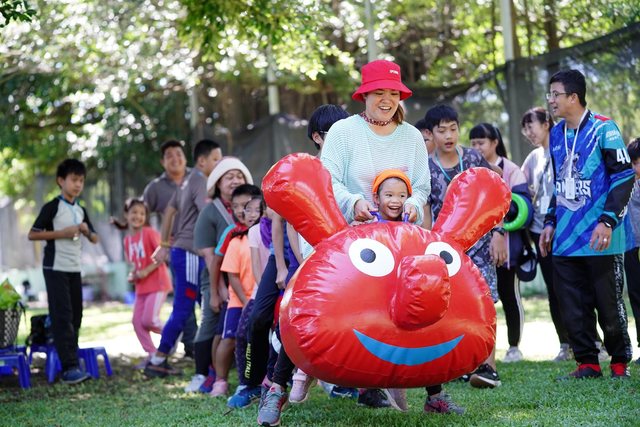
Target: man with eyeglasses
[{"x": 585, "y": 225}]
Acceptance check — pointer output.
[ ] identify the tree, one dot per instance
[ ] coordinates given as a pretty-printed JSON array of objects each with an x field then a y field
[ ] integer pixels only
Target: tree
[{"x": 17, "y": 10}]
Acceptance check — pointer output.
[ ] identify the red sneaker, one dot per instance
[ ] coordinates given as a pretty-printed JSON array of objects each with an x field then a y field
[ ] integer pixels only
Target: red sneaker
[{"x": 620, "y": 370}]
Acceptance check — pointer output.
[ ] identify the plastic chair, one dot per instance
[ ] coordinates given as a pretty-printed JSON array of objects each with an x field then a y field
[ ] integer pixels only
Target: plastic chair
[
  {"x": 89, "y": 356},
  {"x": 18, "y": 360}
]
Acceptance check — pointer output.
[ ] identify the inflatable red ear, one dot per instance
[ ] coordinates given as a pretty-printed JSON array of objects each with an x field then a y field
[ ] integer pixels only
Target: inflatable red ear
[
  {"x": 299, "y": 189},
  {"x": 466, "y": 217}
]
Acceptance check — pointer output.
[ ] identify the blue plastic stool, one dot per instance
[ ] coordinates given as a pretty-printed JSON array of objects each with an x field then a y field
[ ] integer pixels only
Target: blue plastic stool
[
  {"x": 88, "y": 355},
  {"x": 16, "y": 360}
]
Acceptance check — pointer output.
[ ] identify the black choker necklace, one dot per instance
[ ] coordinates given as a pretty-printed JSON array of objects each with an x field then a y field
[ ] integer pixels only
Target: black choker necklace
[{"x": 375, "y": 122}]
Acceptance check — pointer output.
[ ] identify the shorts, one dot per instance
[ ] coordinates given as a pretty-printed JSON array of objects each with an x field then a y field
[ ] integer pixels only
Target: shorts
[
  {"x": 221, "y": 316},
  {"x": 231, "y": 321}
]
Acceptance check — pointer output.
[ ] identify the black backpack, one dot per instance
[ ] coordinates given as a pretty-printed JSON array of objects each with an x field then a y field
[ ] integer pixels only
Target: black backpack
[{"x": 40, "y": 331}]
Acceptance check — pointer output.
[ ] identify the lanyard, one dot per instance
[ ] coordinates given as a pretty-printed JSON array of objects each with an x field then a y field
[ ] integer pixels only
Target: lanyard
[
  {"x": 575, "y": 138},
  {"x": 446, "y": 175}
]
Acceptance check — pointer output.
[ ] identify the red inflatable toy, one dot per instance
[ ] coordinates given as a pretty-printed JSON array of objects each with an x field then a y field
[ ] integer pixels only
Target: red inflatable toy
[{"x": 386, "y": 304}]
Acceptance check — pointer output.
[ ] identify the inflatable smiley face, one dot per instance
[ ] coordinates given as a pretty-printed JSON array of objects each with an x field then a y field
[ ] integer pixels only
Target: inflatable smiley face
[{"x": 386, "y": 304}]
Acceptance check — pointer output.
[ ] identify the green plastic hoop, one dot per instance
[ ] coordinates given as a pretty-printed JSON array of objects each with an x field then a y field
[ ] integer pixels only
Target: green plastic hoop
[{"x": 521, "y": 217}]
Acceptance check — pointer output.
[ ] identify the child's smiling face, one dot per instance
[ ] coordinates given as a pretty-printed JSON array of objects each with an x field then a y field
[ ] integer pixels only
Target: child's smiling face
[{"x": 390, "y": 198}]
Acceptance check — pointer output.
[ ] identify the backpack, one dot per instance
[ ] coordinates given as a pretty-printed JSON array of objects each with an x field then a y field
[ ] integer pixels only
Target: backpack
[{"x": 40, "y": 333}]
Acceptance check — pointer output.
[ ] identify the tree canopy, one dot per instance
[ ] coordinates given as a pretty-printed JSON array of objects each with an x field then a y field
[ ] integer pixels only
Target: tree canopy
[{"x": 109, "y": 80}]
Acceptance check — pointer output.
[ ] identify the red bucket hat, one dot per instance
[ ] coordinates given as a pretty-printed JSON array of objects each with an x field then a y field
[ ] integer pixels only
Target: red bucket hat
[{"x": 381, "y": 74}]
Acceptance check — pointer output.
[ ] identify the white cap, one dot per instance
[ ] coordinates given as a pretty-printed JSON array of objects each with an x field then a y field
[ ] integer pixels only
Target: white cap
[{"x": 228, "y": 163}]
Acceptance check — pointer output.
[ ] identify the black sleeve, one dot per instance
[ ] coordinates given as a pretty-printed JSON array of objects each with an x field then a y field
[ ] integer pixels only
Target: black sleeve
[
  {"x": 87, "y": 220},
  {"x": 619, "y": 168},
  {"x": 44, "y": 221}
]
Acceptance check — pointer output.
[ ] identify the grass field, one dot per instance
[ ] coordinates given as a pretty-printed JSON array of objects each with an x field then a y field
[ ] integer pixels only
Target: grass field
[{"x": 529, "y": 395}]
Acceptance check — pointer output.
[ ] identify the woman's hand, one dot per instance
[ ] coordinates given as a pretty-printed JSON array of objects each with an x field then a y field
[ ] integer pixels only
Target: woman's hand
[
  {"x": 361, "y": 210},
  {"x": 411, "y": 211},
  {"x": 498, "y": 249},
  {"x": 546, "y": 237}
]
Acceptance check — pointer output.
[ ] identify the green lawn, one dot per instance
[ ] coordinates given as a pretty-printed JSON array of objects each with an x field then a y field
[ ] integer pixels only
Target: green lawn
[{"x": 529, "y": 396}]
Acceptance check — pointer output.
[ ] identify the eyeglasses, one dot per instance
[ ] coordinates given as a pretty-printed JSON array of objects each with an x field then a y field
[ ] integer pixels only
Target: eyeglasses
[{"x": 554, "y": 95}]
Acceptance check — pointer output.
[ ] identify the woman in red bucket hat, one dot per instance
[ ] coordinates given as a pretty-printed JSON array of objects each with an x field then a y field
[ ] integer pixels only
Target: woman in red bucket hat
[{"x": 358, "y": 148}]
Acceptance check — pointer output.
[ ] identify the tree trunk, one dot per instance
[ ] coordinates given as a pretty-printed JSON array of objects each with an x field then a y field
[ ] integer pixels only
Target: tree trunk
[{"x": 550, "y": 25}]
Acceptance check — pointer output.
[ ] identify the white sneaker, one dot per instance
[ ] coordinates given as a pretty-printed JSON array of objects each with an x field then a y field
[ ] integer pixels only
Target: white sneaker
[
  {"x": 196, "y": 381},
  {"x": 603, "y": 355},
  {"x": 513, "y": 355},
  {"x": 564, "y": 354}
]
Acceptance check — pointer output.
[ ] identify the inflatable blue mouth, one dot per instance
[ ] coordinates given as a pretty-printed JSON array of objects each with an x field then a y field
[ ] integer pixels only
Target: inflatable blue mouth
[{"x": 405, "y": 355}]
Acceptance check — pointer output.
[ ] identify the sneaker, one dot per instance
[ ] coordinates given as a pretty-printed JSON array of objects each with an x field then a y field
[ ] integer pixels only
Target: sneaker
[
  {"x": 620, "y": 370},
  {"x": 603, "y": 356},
  {"x": 464, "y": 378},
  {"x": 442, "y": 404},
  {"x": 485, "y": 377},
  {"x": 374, "y": 398},
  {"x": 220, "y": 388},
  {"x": 160, "y": 371},
  {"x": 196, "y": 381},
  {"x": 74, "y": 376},
  {"x": 398, "y": 398},
  {"x": 338, "y": 391},
  {"x": 327, "y": 387},
  {"x": 244, "y": 396},
  {"x": 300, "y": 387},
  {"x": 564, "y": 354},
  {"x": 513, "y": 355},
  {"x": 207, "y": 385},
  {"x": 271, "y": 405},
  {"x": 584, "y": 370}
]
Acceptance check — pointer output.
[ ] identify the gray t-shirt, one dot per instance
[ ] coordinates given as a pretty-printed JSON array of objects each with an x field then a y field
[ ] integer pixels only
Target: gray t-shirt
[
  {"x": 157, "y": 195},
  {"x": 538, "y": 170},
  {"x": 61, "y": 254},
  {"x": 208, "y": 230},
  {"x": 189, "y": 199}
]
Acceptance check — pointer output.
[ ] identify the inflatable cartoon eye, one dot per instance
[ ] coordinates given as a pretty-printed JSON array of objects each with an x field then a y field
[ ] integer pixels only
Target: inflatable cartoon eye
[
  {"x": 371, "y": 257},
  {"x": 449, "y": 255}
]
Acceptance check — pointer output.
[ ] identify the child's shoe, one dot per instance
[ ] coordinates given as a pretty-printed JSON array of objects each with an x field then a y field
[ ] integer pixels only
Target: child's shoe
[
  {"x": 194, "y": 385},
  {"x": 207, "y": 385},
  {"x": 160, "y": 371},
  {"x": 300, "y": 388},
  {"x": 485, "y": 377},
  {"x": 584, "y": 370},
  {"x": 220, "y": 388},
  {"x": 271, "y": 405},
  {"x": 244, "y": 396},
  {"x": 442, "y": 404}
]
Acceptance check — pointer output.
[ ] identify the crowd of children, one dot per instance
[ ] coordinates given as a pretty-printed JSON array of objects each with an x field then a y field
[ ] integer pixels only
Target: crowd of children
[{"x": 234, "y": 255}]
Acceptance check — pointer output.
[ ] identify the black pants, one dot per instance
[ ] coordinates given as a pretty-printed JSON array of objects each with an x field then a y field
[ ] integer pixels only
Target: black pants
[
  {"x": 632, "y": 271},
  {"x": 64, "y": 293},
  {"x": 584, "y": 285},
  {"x": 283, "y": 370},
  {"x": 509, "y": 293},
  {"x": 260, "y": 322},
  {"x": 546, "y": 266}
]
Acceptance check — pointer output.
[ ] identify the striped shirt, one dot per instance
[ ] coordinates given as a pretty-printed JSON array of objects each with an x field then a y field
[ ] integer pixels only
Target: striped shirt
[{"x": 354, "y": 155}]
